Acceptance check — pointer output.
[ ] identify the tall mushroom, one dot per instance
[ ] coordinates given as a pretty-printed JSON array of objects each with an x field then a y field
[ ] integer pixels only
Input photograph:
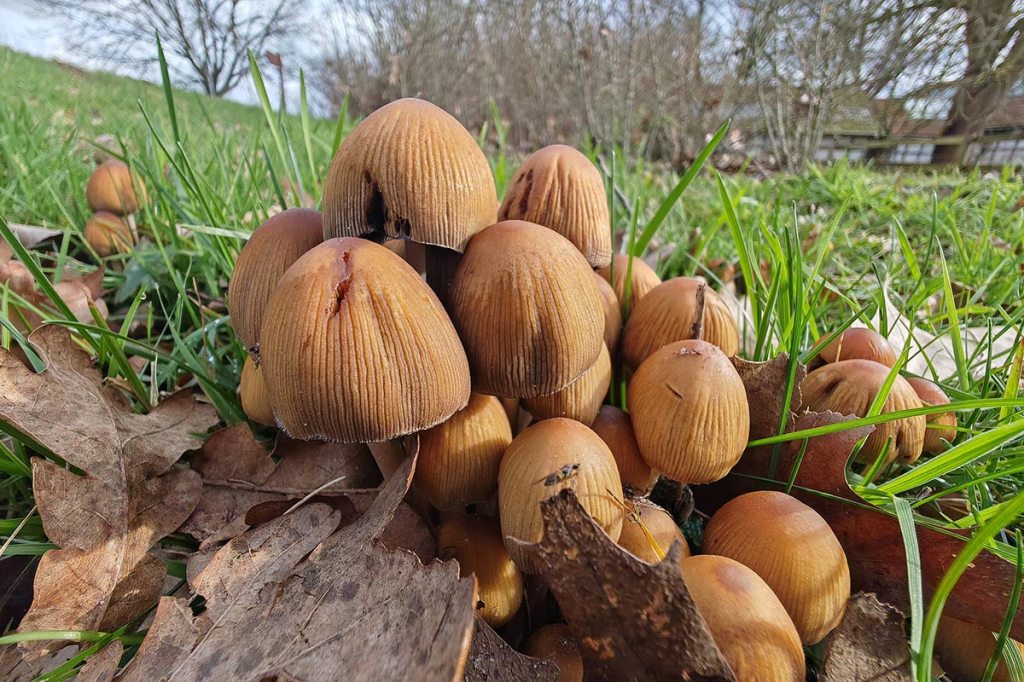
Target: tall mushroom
[
  {"x": 859, "y": 343},
  {"x": 113, "y": 187},
  {"x": 635, "y": 270},
  {"x": 616, "y": 430},
  {"x": 941, "y": 427},
  {"x": 581, "y": 399},
  {"x": 108, "y": 233},
  {"x": 252, "y": 392},
  {"x": 612, "y": 313}
]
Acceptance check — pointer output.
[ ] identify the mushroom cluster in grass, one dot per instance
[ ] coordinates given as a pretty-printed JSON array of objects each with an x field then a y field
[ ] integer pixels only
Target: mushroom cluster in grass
[
  {"x": 581, "y": 399},
  {"x": 616, "y": 429},
  {"x": 941, "y": 427},
  {"x": 859, "y": 343},
  {"x": 555, "y": 643},
  {"x": 641, "y": 277},
  {"x": 108, "y": 233},
  {"x": 650, "y": 534},
  {"x": 113, "y": 188},
  {"x": 252, "y": 392},
  {"x": 964, "y": 649}
]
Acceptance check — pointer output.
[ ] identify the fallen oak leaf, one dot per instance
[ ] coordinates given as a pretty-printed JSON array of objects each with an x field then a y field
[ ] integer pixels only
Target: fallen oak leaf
[
  {"x": 103, "y": 665},
  {"x": 491, "y": 659},
  {"x": 869, "y": 644}
]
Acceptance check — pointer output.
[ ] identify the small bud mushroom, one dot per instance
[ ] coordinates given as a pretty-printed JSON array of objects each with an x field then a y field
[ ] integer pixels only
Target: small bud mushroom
[
  {"x": 114, "y": 188},
  {"x": 475, "y": 542},
  {"x": 747, "y": 621},
  {"x": 643, "y": 278},
  {"x": 794, "y": 551},
  {"x": 581, "y": 399},
  {"x": 689, "y": 411},
  {"x": 269, "y": 252},
  {"x": 555, "y": 643},
  {"x": 678, "y": 308},
  {"x": 459, "y": 458},
  {"x": 108, "y": 233},
  {"x": 526, "y": 306},
  {"x": 849, "y": 387},
  {"x": 860, "y": 343},
  {"x": 544, "y": 459},
  {"x": 964, "y": 650},
  {"x": 558, "y": 187},
  {"x": 253, "y": 393},
  {"x": 941, "y": 427},
  {"x": 612, "y": 313},
  {"x": 662, "y": 528},
  {"x": 616, "y": 430}
]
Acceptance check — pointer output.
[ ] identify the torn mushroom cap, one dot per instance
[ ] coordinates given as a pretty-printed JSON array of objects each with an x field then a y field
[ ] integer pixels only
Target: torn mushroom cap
[
  {"x": 612, "y": 313},
  {"x": 269, "y": 252},
  {"x": 409, "y": 171},
  {"x": 252, "y": 392},
  {"x": 543, "y": 460},
  {"x": 850, "y": 387},
  {"x": 616, "y": 430},
  {"x": 859, "y": 343},
  {"x": 964, "y": 650},
  {"x": 475, "y": 542},
  {"x": 114, "y": 188},
  {"x": 677, "y": 309},
  {"x": 581, "y": 399},
  {"x": 794, "y": 551},
  {"x": 459, "y": 458},
  {"x": 941, "y": 427},
  {"x": 355, "y": 347},
  {"x": 526, "y": 306},
  {"x": 662, "y": 528},
  {"x": 689, "y": 411},
  {"x": 644, "y": 278},
  {"x": 554, "y": 643},
  {"x": 747, "y": 621},
  {"x": 558, "y": 187},
  {"x": 108, "y": 233}
]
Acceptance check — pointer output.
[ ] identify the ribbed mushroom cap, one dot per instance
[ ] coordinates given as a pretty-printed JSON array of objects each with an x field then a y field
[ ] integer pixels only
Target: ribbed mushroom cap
[
  {"x": 270, "y": 250},
  {"x": 859, "y": 343},
  {"x": 252, "y": 392},
  {"x": 527, "y": 308},
  {"x": 555, "y": 643},
  {"x": 644, "y": 278},
  {"x": 459, "y": 458},
  {"x": 107, "y": 233},
  {"x": 560, "y": 188},
  {"x": 612, "y": 313},
  {"x": 794, "y": 551},
  {"x": 747, "y": 621},
  {"x": 581, "y": 399},
  {"x": 529, "y": 475},
  {"x": 940, "y": 427},
  {"x": 616, "y": 430},
  {"x": 356, "y": 348},
  {"x": 112, "y": 187},
  {"x": 475, "y": 542},
  {"x": 849, "y": 387},
  {"x": 677, "y": 309},
  {"x": 410, "y": 171},
  {"x": 964, "y": 650},
  {"x": 689, "y": 411},
  {"x": 659, "y": 524}
]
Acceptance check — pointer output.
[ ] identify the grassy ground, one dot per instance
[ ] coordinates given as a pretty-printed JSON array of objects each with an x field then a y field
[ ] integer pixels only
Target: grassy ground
[{"x": 816, "y": 251}]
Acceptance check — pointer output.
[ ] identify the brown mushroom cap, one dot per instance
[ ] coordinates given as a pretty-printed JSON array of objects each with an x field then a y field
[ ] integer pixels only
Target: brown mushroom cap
[
  {"x": 849, "y": 387},
  {"x": 644, "y": 278},
  {"x": 747, "y": 621},
  {"x": 689, "y": 411},
  {"x": 475, "y": 542},
  {"x": 581, "y": 399},
  {"x": 659, "y": 524},
  {"x": 529, "y": 475},
  {"x": 558, "y": 187},
  {"x": 107, "y": 233},
  {"x": 612, "y": 313},
  {"x": 253, "y": 394},
  {"x": 527, "y": 308},
  {"x": 355, "y": 347},
  {"x": 112, "y": 187},
  {"x": 269, "y": 252},
  {"x": 459, "y": 458},
  {"x": 410, "y": 171},
  {"x": 555, "y": 643},
  {"x": 941, "y": 427},
  {"x": 793, "y": 550},
  {"x": 860, "y": 343},
  {"x": 964, "y": 650},
  {"x": 616, "y": 430}
]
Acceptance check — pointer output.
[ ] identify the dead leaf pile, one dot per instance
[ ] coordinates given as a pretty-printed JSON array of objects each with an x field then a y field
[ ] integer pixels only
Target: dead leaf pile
[{"x": 76, "y": 290}]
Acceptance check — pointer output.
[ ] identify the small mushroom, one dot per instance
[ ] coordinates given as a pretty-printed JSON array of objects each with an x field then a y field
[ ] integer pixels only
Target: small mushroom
[
  {"x": 612, "y": 313},
  {"x": 794, "y": 551},
  {"x": 581, "y": 399},
  {"x": 689, "y": 411},
  {"x": 475, "y": 542},
  {"x": 459, "y": 458},
  {"x": 859, "y": 343},
  {"x": 253, "y": 394},
  {"x": 849, "y": 387},
  {"x": 747, "y": 621},
  {"x": 544, "y": 459},
  {"x": 108, "y": 233},
  {"x": 616, "y": 430},
  {"x": 113, "y": 187},
  {"x": 662, "y": 528},
  {"x": 642, "y": 276},
  {"x": 555, "y": 643},
  {"x": 964, "y": 650},
  {"x": 941, "y": 427}
]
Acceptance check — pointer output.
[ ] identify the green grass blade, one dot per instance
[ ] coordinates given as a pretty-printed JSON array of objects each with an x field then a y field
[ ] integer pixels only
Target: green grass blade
[{"x": 908, "y": 529}]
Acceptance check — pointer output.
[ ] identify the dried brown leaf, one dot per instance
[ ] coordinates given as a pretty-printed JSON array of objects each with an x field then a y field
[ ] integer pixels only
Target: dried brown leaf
[
  {"x": 491, "y": 659},
  {"x": 172, "y": 634},
  {"x": 869, "y": 644},
  {"x": 103, "y": 665}
]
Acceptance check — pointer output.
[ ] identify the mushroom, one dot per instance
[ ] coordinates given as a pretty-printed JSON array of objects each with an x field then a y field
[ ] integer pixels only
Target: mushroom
[
  {"x": 475, "y": 542},
  {"x": 612, "y": 313},
  {"x": 581, "y": 399},
  {"x": 558, "y": 187},
  {"x": 459, "y": 458},
  {"x": 544, "y": 459},
  {"x": 252, "y": 392},
  {"x": 689, "y": 411},
  {"x": 659, "y": 524},
  {"x": 940, "y": 428},
  {"x": 793, "y": 550},
  {"x": 850, "y": 387},
  {"x": 616, "y": 430},
  {"x": 554, "y": 643},
  {"x": 859, "y": 343},
  {"x": 527, "y": 308},
  {"x": 677, "y": 309},
  {"x": 107, "y": 233},
  {"x": 269, "y": 252},
  {"x": 747, "y": 621},
  {"x": 964, "y": 650},
  {"x": 643, "y": 278},
  {"x": 113, "y": 187}
]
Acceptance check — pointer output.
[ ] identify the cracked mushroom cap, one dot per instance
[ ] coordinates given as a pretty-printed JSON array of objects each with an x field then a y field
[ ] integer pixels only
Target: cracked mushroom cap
[
  {"x": 356, "y": 348},
  {"x": 269, "y": 252},
  {"x": 581, "y": 399},
  {"x": 526, "y": 306},
  {"x": 108, "y": 233},
  {"x": 662, "y": 528},
  {"x": 643, "y": 278},
  {"x": 860, "y": 343},
  {"x": 558, "y": 187},
  {"x": 410, "y": 171},
  {"x": 113, "y": 187},
  {"x": 689, "y": 411},
  {"x": 794, "y": 551},
  {"x": 252, "y": 392},
  {"x": 616, "y": 430},
  {"x": 554, "y": 643},
  {"x": 612, "y": 313},
  {"x": 941, "y": 428},
  {"x": 849, "y": 387}
]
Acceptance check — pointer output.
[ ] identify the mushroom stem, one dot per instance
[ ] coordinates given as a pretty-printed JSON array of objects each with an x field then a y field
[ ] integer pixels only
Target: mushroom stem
[
  {"x": 441, "y": 264},
  {"x": 389, "y": 455}
]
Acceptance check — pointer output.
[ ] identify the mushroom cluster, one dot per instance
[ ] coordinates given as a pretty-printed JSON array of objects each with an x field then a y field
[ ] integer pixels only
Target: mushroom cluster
[{"x": 114, "y": 194}]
